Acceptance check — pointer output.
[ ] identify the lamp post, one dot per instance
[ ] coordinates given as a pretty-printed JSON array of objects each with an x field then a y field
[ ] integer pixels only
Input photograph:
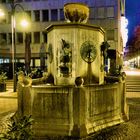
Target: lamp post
[
  {"x": 13, "y": 46},
  {"x": 24, "y": 23},
  {"x": 13, "y": 26}
]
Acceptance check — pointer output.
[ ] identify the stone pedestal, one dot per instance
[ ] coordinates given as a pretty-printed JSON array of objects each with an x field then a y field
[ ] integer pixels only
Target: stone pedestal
[
  {"x": 65, "y": 60},
  {"x": 72, "y": 111}
]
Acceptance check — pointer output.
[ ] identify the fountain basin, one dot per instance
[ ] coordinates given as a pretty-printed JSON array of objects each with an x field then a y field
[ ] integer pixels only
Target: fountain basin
[{"x": 72, "y": 111}]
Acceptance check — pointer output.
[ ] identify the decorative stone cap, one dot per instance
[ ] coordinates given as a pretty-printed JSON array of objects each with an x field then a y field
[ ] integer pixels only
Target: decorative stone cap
[{"x": 76, "y": 12}]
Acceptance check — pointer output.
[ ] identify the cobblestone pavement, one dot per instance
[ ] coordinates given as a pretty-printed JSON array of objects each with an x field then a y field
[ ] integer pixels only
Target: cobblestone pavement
[
  {"x": 8, "y": 106},
  {"x": 129, "y": 130}
]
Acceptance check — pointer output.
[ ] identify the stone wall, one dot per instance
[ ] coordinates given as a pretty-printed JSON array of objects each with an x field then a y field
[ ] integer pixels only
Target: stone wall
[{"x": 72, "y": 111}]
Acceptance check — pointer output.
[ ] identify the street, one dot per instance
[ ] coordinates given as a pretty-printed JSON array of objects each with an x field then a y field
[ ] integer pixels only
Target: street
[
  {"x": 127, "y": 131},
  {"x": 8, "y": 100},
  {"x": 133, "y": 83}
]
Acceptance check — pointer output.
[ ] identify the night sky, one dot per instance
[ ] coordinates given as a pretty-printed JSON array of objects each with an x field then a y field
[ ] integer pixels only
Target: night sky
[{"x": 133, "y": 15}]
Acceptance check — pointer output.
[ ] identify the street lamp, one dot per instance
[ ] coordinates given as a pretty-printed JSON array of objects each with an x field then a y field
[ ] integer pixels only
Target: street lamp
[
  {"x": 13, "y": 25},
  {"x": 24, "y": 24},
  {"x": 1, "y": 13}
]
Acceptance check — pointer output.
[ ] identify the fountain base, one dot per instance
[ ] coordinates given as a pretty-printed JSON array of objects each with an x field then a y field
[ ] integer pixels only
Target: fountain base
[{"x": 72, "y": 111}]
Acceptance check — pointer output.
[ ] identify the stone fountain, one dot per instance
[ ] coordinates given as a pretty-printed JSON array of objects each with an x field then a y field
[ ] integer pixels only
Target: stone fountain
[{"x": 73, "y": 99}]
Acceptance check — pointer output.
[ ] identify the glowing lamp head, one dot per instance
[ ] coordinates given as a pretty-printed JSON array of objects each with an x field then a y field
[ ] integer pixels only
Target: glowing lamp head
[
  {"x": 24, "y": 23},
  {"x": 2, "y": 13}
]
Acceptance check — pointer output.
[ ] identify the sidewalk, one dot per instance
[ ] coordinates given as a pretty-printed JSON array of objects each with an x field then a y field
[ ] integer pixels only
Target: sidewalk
[
  {"x": 8, "y": 106},
  {"x": 8, "y": 94}
]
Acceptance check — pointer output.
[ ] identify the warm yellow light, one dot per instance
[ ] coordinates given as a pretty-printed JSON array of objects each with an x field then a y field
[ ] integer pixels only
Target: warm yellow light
[
  {"x": 24, "y": 23},
  {"x": 1, "y": 13},
  {"x": 124, "y": 30},
  {"x": 132, "y": 72}
]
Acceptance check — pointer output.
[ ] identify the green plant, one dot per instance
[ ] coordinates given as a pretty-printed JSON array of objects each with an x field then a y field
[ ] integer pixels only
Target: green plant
[
  {"x": 19, "y": 129},
  {"x": 3, "y": 77}
]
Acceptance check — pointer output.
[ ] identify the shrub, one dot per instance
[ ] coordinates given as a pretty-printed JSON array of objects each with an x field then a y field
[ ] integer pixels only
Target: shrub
[
  {"x": 3, "y": 77},
  {"x": 18, "y": 129}
]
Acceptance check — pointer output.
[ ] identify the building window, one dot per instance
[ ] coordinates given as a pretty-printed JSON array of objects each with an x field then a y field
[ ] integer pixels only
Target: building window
[
  {"x": 110, "y": 12},
  {"x": 101, "y": 12},
  {"x": 28, "y": 14},
  {"x": 4, "y": 60},
  {"x": 8, "y": 1},
  {"x": 29, "y": 36},
  {"x": 36, "y": 15},
  {"x": 44, "y": 37},
  {"x": 110, "y": 34},
  {"x": 36, "y": 37},
  {"x": 45, "y": 15},
  {"x": 27, "y": 0},
  {"x": 9, "y": 38},
  {"x": 100, "y": 2},
  {"x": 19, "y": 37},
  {"x": 54, "y": 15},
  {"x": 9, "y": 17},
  {"x": 62, "y": 17},
  {"x": 3, "y": 38},
  {"x": 91, "y": 14},
  {"x": 3, "y": 1}
]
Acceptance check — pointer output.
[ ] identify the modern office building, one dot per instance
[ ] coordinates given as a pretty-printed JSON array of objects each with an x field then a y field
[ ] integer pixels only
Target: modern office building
[{"x": 42, "y": 13}]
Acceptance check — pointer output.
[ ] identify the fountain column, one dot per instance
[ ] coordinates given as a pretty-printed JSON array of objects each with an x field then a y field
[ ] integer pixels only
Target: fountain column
[{"x": 72, "y": 45}]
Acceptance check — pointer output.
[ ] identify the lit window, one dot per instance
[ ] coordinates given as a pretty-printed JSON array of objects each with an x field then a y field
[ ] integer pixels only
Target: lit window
[
  {"x": 101, "y": 12},
  {"x": 110, "y": 12}
]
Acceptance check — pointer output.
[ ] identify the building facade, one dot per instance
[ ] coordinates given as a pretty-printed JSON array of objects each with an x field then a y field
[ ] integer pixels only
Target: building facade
[{"x": 42, "y": 13}]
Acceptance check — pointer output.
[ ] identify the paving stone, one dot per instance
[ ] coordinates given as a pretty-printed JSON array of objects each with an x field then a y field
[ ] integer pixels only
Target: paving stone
[{"x": 129, "y": 130}]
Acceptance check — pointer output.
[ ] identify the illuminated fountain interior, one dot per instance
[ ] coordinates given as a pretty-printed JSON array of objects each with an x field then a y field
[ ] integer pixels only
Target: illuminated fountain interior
[{"x": 73, "y": 100}]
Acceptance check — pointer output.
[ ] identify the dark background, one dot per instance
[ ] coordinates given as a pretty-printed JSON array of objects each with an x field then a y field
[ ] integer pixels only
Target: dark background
[{"x": 132, "y": 11}]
